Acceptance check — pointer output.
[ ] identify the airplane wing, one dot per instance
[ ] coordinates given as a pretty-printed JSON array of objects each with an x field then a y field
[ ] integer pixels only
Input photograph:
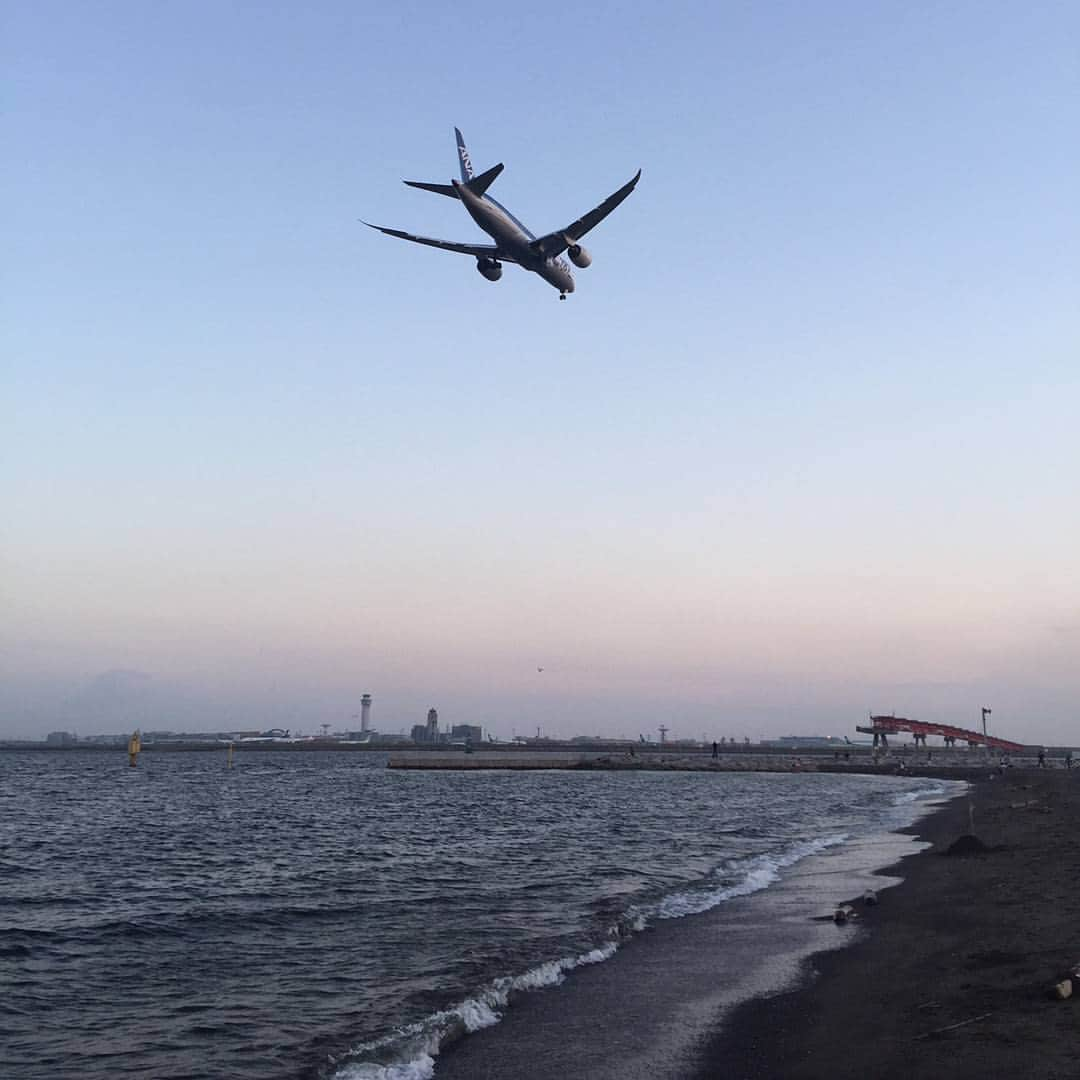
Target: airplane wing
[
  {"x": 556, "y": 243},
  {"x": 479, "y": 251}
]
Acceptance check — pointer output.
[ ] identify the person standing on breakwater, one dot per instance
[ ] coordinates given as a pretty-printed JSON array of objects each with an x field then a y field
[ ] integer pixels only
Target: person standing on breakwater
[{"x": 715, "y": 750}]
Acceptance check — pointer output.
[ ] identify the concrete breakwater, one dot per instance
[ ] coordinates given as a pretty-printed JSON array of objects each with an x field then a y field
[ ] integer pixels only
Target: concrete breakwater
[
  {"x": 557, "y": 759},
  {"x": 490, "y": 759},
  {"x": 680, "y": 762}
]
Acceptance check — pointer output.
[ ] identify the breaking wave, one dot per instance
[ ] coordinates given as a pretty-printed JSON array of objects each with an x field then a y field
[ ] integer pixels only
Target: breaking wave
[
  {"x": 741, "y": 877},
  {"x": 905, "y": 798},
  {"x": 409, "y": 1053},
  {"x": 413, "y": 1048}
]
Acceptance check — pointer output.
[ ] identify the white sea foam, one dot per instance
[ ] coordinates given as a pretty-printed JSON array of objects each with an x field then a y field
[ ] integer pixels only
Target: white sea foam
[
  {"x": 751, "y": 875},
  {"x": 906, "y": 797},
  {"x": 477, "y": 1014},
  {"x": 420, "y": 1043},
  {"x": 420, "y": 1068}
]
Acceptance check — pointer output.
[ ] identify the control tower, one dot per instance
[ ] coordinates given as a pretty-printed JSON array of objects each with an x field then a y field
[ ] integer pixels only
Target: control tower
[{"x": 365, "y": 713}]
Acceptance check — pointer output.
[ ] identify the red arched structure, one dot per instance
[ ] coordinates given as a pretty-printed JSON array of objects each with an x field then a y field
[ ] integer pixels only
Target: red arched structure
[{"x": 883, "y": 726}]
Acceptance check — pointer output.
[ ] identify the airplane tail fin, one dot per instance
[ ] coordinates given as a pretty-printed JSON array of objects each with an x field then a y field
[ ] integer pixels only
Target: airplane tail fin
[
  {"x": 463, "y": 157},
  {"x": 476, "y": 184}
]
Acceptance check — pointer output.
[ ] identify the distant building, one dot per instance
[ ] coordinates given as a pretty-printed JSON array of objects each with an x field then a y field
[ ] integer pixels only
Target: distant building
[
  {"x": 428, "y": 733},
  {"x": 385, "y": 738},
  {"x": 473, "y": 733},
  {"x": 365, "y": 712},
  {"x": 61, "y": 738}
]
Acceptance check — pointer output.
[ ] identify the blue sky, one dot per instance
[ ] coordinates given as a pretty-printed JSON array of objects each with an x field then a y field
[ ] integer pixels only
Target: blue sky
[{"x": 802, "y": 444}]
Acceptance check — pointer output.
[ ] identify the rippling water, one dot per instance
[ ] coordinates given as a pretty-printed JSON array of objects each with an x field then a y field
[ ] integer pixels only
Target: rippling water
[{"x": 314, "y": 914}]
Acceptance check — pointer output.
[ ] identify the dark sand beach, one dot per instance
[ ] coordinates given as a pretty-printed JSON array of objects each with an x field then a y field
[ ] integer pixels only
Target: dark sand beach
[{"x": 950, "y": 975}]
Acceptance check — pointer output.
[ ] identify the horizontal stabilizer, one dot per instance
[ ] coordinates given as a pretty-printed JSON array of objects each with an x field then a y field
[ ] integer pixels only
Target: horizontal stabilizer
[
  {"x": 439, "y": 189},
  {"x": 477, "y": 185}
]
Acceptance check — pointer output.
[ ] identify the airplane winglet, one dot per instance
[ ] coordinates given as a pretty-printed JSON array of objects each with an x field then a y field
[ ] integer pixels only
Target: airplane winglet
[{"x": 477, "y": 184}]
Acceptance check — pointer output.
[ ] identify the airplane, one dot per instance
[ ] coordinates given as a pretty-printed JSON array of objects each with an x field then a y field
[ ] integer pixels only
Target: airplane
[{"x": 513, "y": 242}]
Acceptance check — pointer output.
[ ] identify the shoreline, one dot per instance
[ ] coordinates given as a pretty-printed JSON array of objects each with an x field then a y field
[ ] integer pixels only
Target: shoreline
[
  {"x": 972, "y": 941},
  {"x": 647, "y": 1011}
]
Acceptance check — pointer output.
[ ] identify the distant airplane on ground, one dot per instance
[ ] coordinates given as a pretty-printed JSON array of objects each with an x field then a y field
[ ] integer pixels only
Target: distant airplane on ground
[{"x": 513, "y": 242}]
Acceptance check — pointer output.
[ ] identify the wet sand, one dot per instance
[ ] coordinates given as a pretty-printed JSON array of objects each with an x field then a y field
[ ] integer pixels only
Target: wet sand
[{"x": 950, "y": 975}]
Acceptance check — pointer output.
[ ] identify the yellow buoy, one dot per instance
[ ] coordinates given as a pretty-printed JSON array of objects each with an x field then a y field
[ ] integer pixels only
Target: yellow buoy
[{"x": 134, "y": 746}]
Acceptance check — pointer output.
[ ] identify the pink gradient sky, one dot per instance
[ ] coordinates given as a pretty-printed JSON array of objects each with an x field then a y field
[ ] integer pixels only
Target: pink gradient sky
[{"x": 803, "y": 444}]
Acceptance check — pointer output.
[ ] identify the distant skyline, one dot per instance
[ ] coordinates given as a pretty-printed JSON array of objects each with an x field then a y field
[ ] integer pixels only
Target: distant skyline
[{"x": 801, "y": 445}]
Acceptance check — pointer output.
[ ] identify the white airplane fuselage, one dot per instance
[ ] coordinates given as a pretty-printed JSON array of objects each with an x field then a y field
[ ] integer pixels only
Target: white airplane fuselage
[{"x": 512, "y": 238}]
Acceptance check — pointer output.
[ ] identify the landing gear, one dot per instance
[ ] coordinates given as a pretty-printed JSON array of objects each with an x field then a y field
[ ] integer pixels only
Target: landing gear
[{"x": 562, "y": 296}]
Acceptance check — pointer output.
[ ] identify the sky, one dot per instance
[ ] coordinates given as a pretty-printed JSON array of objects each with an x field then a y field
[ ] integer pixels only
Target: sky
[{"x": 802, "y": 445}]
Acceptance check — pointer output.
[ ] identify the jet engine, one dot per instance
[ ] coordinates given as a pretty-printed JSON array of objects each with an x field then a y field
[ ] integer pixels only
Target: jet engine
[
  {"x": 490, "y": 268},
  {"x": 579, "y": 256}
]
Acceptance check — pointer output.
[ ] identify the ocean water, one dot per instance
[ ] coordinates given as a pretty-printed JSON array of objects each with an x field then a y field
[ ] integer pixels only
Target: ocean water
[{"x": 315, "y": 915}]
